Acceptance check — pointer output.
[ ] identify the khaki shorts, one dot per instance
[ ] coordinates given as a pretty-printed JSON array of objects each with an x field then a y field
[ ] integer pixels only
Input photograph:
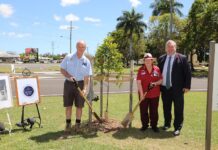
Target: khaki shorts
[{"x": 71, "y": 94}]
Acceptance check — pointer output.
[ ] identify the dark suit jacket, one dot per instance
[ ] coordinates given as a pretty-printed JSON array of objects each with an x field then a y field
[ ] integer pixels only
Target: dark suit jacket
[{"x": 181, "y": 72}]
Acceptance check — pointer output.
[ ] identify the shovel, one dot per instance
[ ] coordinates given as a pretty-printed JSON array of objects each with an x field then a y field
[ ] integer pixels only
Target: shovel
[
  {"x": 130, "y": 116},
  {"x": 86, "y": 100}
]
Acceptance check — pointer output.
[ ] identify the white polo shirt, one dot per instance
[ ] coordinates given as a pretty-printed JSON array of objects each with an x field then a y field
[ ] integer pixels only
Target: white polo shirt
[{"x": 77, "y": 67}]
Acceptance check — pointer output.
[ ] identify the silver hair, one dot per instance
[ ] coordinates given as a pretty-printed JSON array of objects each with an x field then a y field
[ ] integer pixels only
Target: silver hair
[
  {"x": 172, "y": 42},
  {"x": 80, "y": 42}
]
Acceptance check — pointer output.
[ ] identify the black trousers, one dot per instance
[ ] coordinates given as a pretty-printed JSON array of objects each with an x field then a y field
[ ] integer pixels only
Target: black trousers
[
  {"x": 169, "y": 97},
  {"x": 151, "y": 116}
]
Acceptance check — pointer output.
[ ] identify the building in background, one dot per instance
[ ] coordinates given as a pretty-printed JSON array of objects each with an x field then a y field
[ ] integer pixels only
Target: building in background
[{"x": 8, "y": 57}]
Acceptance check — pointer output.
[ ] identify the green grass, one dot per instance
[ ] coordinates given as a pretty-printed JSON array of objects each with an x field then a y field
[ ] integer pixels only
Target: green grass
[
  {"x": 52, "y": 112},
  {"x": 200, "y": 72},
  {"x": 7, "y": 69}
]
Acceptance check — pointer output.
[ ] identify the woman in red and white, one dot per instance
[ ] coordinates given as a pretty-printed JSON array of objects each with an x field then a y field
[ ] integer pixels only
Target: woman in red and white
[{"x": 149, "y": 75}]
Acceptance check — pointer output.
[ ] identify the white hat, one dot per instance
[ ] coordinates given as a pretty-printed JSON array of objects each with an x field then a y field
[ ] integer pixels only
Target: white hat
[{"x": 148, "y": 56}]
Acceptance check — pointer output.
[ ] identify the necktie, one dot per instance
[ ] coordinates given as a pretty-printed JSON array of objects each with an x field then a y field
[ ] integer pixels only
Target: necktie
[{"x": 168, "y": 73}]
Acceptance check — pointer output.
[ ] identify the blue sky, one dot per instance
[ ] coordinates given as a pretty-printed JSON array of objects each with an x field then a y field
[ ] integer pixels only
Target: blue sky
[{"x": 39, "y": 23}]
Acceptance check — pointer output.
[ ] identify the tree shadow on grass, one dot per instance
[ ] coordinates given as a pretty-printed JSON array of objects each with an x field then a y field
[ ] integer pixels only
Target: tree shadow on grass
[{"x": 124, "y": 133}]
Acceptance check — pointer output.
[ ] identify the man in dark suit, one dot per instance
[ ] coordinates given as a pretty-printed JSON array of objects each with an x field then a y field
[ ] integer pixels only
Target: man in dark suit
[{"x": 176, "y": 74}]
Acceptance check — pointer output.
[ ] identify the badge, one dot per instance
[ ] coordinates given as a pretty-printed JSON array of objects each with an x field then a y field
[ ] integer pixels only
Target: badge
[
  {"x": 28, "y": 91},
  {"x": 84, "y": 64},
  {"x": 155, "y": 74}
]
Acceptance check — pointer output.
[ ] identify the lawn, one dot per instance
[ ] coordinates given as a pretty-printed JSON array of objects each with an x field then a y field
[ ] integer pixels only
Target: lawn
[
  {"x": 7, "y": 68},
  {"x": 52, "y": 111}
]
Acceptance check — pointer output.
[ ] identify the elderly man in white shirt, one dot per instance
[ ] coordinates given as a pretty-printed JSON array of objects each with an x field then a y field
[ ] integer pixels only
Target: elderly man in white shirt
[{"x": 75, "y": 66}]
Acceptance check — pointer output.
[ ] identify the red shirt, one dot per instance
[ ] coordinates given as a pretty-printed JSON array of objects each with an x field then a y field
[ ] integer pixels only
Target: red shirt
[{"x": 147, "y": 77}]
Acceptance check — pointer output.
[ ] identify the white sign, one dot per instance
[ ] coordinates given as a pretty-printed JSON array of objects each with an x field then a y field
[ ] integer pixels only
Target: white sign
[
  {"x": 27, "y": 90},
  {"x": 215, "y": 80},
  {"x": 5, "y": 92}
]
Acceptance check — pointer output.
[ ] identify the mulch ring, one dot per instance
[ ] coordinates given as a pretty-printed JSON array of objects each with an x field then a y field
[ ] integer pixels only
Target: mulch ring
[
  {"x": 105, "y": 126},
  {"x": 90, "y": 129}
]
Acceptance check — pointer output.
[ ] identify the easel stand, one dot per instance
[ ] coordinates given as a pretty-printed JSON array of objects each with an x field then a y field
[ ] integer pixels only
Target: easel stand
[{"x": 29, "y": 121}]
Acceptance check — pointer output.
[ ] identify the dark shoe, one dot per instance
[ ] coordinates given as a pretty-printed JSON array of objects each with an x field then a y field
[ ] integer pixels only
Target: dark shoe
[
  {"x": 176, "y": 133},
  {"x": 68, "y": 128},
  {"x": 77, "y": 127},
  {"x": 155, "y": 129},
  {"x": 166, "y": 127},
  {"x": 143, "y": 128}
]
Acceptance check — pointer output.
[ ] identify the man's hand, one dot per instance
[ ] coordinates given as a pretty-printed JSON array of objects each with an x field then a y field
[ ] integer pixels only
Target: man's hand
[
  {"x": 185, "y": 90},
  {"x": 72, "y": 78},
  {"x": 84, "y": 92}
]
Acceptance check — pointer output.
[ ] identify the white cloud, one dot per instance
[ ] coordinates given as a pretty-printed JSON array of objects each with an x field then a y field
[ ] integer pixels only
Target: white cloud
[
  {"x": 6, "y": 10},
  {"x": 16, "y": 35},
  {"x": 71, "y": 17},
  {"x": 13, "y": 24},
  {"x": 65, "y": 3},
  {"x": 67, "y": 27},
  {"x": 57, "y": 18},
  {"x": 90, "y": 19},
  {"x": 135, "y": 3}
]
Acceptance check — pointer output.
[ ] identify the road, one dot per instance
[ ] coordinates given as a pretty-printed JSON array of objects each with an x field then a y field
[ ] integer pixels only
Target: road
[{"x": 52, "y": 84}]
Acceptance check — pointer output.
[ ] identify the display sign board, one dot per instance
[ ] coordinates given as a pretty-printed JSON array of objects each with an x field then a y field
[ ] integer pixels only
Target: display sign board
[
  {"x": 27, "y": 90},
  {"x": 215, "y": 80},
  {"x": 6, "y": 99}
]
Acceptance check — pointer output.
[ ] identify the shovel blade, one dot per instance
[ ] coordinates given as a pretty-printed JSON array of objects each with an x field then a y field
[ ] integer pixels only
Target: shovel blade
[
  {"x": 127, "y": 120},
  {"x": 97, "y": 117}
]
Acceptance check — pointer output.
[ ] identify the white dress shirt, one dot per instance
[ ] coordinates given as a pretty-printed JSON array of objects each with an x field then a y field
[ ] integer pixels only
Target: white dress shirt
[{"x": 164, "y": 74}]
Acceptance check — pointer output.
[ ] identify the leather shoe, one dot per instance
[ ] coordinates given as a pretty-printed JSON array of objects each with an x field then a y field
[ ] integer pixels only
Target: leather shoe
[
  {"x": 166, "y": 127},
  {"x": 155, "y": 129},
  {"x": 143, "y": 128},
  {"x": 176, "y": 133}
]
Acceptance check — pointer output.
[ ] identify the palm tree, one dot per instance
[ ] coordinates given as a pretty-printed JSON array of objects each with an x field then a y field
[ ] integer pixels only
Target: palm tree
[
  {"x": 131, "y": 22},
  {"x": 161, "y": 7}
]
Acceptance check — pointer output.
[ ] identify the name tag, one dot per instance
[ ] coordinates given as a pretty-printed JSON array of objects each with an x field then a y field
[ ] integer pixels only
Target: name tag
[
  {"x": 155, "y": 74},
  {"x": 84, "y": 64}
]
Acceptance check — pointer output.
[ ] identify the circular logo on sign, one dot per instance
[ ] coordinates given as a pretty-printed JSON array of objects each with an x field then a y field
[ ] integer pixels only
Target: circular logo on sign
[{"x": 28, "y": 91}]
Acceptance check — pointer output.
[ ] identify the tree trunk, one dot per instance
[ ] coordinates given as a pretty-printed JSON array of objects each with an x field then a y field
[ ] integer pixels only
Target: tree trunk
[
  {"x": 131, "y": 78},
  {"x": 101, "y": 96},
  {"x": 191, "y": 59},
  {"x": 106, "y": 111},
  {"x": 90, "y": 97}
]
